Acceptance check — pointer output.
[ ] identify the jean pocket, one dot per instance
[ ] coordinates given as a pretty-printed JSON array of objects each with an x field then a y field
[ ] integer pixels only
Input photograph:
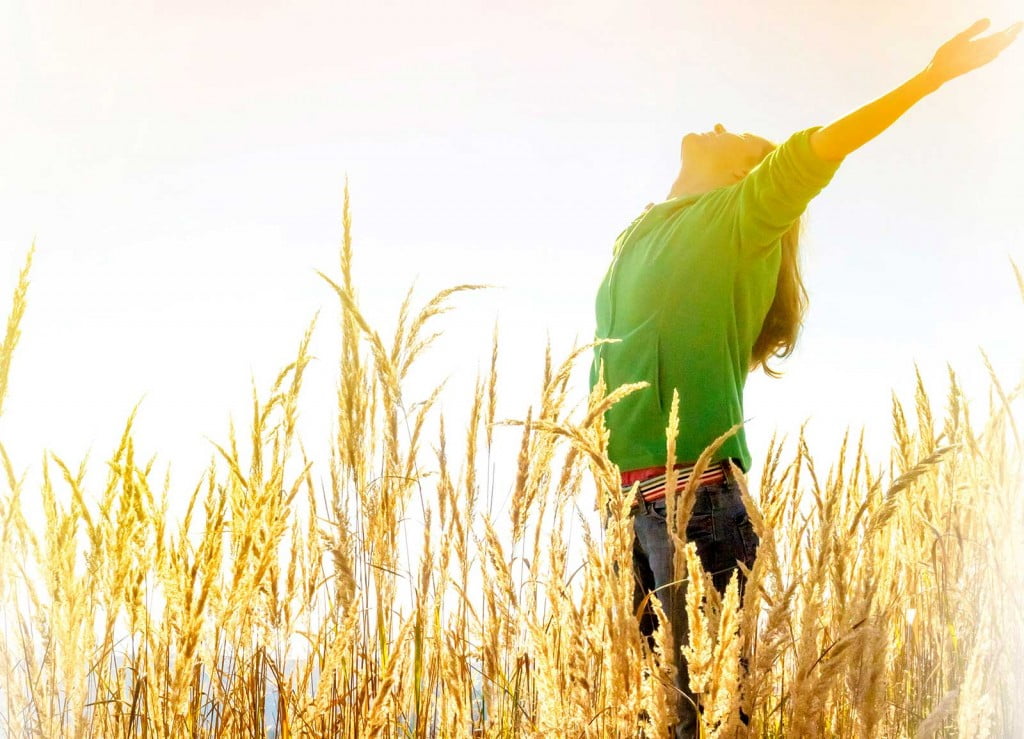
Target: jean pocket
[
  {"x": 701, "y": 528},
  {"x": 658, "y": 509}
]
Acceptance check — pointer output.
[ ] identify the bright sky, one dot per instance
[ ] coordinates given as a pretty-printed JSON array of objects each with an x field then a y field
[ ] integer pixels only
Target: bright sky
[{"x": 180, "y": 166}]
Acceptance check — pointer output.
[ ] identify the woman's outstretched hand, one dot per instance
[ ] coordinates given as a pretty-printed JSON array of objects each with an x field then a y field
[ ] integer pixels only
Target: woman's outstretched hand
[
  {"x": 955, "y": 57},
  {"x": 961, "y": 54}
]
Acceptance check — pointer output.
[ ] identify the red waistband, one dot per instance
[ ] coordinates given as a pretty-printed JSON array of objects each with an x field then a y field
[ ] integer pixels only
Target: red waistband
[
  {"x": 631, "y": 476},
  {"x": 651, "y": 482}
]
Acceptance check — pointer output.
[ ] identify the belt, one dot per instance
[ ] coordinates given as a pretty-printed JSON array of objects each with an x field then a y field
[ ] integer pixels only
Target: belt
[{"x": 652, "y": 481}]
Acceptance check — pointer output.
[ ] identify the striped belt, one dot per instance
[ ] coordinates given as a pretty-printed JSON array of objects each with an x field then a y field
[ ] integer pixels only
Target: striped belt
[{"x": 653, "y": 479}]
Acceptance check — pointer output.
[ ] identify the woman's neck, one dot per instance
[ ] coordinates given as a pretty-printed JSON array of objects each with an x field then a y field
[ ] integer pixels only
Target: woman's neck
[{"x": 688, "y": 185}]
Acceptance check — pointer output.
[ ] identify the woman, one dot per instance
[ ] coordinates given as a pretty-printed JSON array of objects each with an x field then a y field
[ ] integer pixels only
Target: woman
[{"x": 705, "y": 287}]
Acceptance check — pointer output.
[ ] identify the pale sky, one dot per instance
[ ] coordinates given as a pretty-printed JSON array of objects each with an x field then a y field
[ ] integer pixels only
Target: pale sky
[{"x": 181, "y": 164}]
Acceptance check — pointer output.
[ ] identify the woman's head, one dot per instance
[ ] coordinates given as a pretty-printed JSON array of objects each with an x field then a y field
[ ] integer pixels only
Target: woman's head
[{"x": 719, "y": 157}]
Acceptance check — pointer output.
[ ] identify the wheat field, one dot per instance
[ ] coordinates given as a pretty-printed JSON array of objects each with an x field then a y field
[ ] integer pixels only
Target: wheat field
[{"x": 885, "y": 600}]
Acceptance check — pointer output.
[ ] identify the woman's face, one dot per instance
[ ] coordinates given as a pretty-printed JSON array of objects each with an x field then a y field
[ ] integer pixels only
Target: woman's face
[{"x": 722, "y": 152}]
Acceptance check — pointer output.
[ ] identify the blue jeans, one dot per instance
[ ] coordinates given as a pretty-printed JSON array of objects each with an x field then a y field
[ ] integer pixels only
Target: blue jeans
[{"x": 722, "y": 531}]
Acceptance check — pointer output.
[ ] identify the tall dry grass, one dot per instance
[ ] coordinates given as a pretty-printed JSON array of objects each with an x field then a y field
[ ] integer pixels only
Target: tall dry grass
[{"x": 396, "y": 602}]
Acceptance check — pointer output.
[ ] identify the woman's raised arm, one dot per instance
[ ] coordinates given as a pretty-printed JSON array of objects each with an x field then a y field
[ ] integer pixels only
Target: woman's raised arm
[{"x": 957, "y": 56}]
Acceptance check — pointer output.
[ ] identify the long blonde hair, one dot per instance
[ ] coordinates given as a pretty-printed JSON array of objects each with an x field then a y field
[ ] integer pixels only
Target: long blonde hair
[{"x": 786, "y": 314}]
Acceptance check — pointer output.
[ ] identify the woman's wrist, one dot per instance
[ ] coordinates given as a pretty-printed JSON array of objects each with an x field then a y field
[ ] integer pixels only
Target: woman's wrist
[{"x": 927, "y": 80}]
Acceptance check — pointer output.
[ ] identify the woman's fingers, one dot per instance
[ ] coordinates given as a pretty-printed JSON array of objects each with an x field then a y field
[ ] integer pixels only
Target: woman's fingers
[
  {"x": 985, "y": 49},
  {"x": 1005, "y": 37},
  {"x": 975, "y": 28},
  {"x": 962, "y": 53}
]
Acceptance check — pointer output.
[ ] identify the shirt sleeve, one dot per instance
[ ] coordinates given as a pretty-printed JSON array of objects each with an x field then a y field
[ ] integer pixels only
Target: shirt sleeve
[{"x": 776, "y": 192}]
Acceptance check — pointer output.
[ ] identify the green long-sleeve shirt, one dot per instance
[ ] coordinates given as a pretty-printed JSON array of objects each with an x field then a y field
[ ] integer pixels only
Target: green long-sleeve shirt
[{"x": 687, "y": 291}]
